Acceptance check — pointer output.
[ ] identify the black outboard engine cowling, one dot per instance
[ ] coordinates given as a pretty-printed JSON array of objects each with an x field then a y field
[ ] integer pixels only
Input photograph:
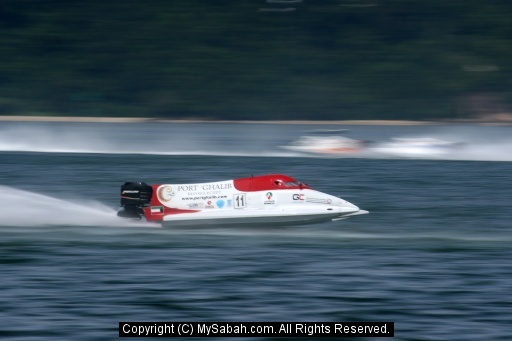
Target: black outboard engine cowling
[{"x": 134, "y": 197}]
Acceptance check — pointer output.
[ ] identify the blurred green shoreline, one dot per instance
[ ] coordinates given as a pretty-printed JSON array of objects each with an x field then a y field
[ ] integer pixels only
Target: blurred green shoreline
[{"x": 330, "y": 60}]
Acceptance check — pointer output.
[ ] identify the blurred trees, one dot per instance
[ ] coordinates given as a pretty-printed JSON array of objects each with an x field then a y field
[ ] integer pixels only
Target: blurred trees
[{"x": 256, "y": 59}]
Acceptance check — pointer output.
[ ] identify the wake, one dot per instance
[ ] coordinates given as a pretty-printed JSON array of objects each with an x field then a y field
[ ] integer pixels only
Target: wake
[{"x": 26, "y": 208}]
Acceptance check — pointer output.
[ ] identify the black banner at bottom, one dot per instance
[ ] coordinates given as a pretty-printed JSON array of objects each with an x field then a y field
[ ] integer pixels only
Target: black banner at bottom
[{"x": 257, "y": 329}]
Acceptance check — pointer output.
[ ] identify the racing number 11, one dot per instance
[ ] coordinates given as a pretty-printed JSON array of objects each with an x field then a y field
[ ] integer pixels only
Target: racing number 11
[{"x": 240, "y": 201}]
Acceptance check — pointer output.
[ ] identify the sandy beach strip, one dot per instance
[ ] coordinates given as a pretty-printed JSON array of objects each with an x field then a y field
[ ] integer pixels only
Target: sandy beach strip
[
  {"x": 163, "y": 120},
  {"x": 505, "y": 120}
]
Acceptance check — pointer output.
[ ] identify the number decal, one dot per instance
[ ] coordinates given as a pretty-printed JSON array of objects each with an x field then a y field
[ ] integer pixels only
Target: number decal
[{"x": 240, "y": 200}]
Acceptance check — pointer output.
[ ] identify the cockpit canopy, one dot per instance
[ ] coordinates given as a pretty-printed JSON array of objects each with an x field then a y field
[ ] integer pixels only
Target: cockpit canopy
[{"x": 268, "y": 182}]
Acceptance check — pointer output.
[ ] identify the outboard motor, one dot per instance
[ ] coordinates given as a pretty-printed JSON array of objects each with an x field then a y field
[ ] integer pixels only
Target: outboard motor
[{"x": 134, "y": 197}]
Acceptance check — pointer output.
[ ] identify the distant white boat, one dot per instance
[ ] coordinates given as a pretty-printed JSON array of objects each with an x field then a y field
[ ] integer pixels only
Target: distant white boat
[
  {"x": 417, "y": 147},
  {"x": 328, "y": 144}
]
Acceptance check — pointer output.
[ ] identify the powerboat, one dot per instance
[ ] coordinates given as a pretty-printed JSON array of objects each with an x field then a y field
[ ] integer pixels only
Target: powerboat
[
  {"x": 421, "y": 147},
  {"x": 326, "y": 143},
  {"x": 273, "y": 199}
]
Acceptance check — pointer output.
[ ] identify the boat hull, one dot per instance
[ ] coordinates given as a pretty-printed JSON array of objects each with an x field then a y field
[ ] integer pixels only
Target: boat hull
[{"x": 258, "y": 217}]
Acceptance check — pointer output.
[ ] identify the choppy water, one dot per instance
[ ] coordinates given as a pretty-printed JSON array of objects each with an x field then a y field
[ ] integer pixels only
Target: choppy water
[{"x": 433, "y": 255}]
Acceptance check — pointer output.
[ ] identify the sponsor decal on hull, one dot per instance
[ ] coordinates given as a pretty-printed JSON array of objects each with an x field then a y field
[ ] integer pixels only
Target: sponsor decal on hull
[
  {"x": 269, "y": 199},
  {"x": 319, "y": 201},
  {"x": 196, "y": 205},
  {"x": 157, "y": 209},
  {"x": 165, "y": 193},
  {"x": 240, "y": 201},
  {"x": 204, "y": 189}
]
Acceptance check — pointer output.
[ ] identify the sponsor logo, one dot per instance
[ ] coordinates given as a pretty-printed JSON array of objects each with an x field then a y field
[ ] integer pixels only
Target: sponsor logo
[
  {"x": 211, "y": 187},
  {"x": 196, "y": 205},
  {"x": 209, "y": 204},
  {"x": 204, "y": 189},
  {"x": 187, "y": 188},
  {"x": 128, "y": 191},
  {"x": 229, "y": 203},
  {"x": 220, "y": 203},
  {"x": 165, "y": 193},
  {"x": 298, "y": 197},
  {"x": 269, "y": 200},
  {"x": 319, "y": 201},
  {"x": 204, "y": 197}
]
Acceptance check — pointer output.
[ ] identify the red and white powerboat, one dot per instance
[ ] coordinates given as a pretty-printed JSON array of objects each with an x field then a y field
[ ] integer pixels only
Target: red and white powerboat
[{"x": 271, "y": 199}]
